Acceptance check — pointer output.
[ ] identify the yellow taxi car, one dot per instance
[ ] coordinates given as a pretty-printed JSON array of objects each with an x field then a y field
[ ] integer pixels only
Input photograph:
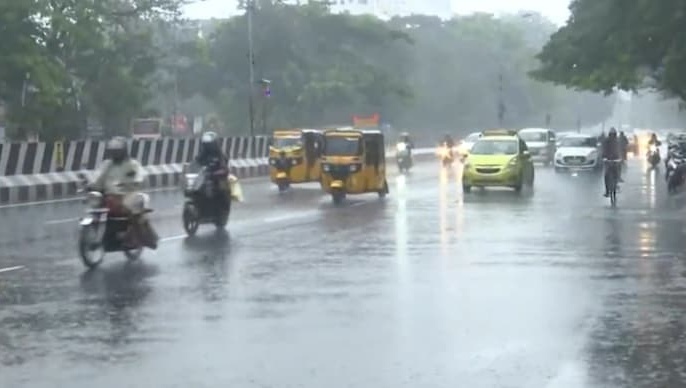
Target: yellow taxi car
[{"x": 499, "y": 158}]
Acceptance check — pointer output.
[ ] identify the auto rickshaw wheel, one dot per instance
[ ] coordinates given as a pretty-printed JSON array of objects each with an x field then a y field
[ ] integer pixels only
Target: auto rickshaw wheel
[
  {"x": 338, "y": 197},
  {"x": 283, "y": 186},
  {"x": 384, "y": 190}
]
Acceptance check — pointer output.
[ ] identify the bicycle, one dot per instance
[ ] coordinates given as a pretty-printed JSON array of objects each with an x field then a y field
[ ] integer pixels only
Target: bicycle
[{"x": 612, "y": 177}]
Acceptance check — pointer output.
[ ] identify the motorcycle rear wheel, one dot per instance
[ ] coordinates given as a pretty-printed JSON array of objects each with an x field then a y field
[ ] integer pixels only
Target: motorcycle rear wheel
[{"x": 190, "y": 220}]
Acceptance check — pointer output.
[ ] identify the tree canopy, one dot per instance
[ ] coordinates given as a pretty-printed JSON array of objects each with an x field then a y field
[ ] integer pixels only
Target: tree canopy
[
  {"x": 609, "y": 44},
  {"x": 68, "y": 64}
]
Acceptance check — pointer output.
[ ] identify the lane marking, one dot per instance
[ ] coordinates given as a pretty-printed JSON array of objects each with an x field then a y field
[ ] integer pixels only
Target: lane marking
[
  {"x": 9, "y": 269},
  {"x": 61, "y": 221}
]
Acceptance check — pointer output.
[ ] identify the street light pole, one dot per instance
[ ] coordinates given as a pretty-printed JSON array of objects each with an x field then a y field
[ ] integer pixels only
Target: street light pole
[
  {"x": 251, "y": 58},
  {"x": 501, "y": 100}
]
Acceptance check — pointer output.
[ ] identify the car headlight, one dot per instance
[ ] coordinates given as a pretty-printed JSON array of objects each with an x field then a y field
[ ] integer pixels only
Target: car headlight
[
  {"x": 558, "y": 156},
  {"x": 513, "y": 162},
  {"x": 294, "y": 162},
  {"x": 353, "y": 168},
  {"x": 326, "y": 168},
  {"x": 593, "y": 155},
  {"x": 272, "y": 162}
]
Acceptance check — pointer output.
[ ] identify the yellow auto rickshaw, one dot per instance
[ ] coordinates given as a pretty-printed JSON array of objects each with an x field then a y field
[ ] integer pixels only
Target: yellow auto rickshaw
[
  {"x": 294, "y": 157},
  {"x": 353, "y": 162}
]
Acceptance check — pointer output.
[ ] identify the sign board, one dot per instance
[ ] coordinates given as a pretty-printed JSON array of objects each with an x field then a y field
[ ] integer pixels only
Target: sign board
[
  {"x": 366, "y": 122},
  {"x": 146, "y": 128}
]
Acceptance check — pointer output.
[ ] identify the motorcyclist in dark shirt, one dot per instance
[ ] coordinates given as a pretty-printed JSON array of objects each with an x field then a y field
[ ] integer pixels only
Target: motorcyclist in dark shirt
[
  {"x": 405, "y": 138},
  {"x": 211, "y": 157},
  {"x": 210, "y": 153},
  {"x": 654, "y": 141},
  {"x": 448, "y": 141},
  {"x": 612, "y": 150},
  {"x": 624, "y": 145}
]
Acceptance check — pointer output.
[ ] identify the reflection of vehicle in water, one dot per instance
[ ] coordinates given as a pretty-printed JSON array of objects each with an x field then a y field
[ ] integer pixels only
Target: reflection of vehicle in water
[
  {"x": 577, "y": 152},
  {"x": 294, "y": 157},
  {"x": 114, "y": 223},
  {"x": 499, "y": 158},
  {"x": 403, "y": 156},
  {"x": 540, "y": 143},
  {"x": 353, "y": 162},
  {"x": 209, "y": 194}
]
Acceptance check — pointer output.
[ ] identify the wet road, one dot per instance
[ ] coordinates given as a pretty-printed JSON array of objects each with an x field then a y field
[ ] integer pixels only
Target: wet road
[{"x": 550, "y": 288}]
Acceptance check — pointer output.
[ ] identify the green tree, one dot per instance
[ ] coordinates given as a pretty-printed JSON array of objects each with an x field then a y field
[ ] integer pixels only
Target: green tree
[
  {"x": 610, "y": 44},
  {"x": 66, "y": 61}
]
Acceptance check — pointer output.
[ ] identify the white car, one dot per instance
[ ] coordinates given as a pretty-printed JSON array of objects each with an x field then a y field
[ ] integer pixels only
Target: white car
[
  {"x": 468, "y": 142},
  {"x": 578, "y": 152},
  {"x": 541, "y": 144}
]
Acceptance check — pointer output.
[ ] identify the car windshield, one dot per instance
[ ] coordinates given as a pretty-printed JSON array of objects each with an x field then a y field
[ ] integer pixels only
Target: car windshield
[
  {"x": 578, "y": 142},
  {"x": 534, "y": 136},
  {"x": 287, "y": 142},
  {"x": 344, "y": 146},
  {"x": 495, "y": 147}
]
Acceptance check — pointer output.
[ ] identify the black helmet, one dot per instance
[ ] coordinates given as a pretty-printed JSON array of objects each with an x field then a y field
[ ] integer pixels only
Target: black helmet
[
  {"x": 613, "y": 132},
  {"x": 117, "y": 149}
]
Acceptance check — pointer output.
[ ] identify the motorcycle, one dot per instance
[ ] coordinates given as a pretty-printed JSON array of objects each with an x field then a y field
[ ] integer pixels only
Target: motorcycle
[
  {"x": 404, "y": 157},
  {"x": 676, "y": 172},
  {"x": 115, "y": 223},
  {"x": 208, "y": 199},
  {"x": 446, "y": 155},
  {"x": 653, "y": 156}
]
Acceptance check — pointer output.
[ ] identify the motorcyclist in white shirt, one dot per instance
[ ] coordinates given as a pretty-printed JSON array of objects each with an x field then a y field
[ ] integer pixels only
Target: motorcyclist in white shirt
[
  {"x": 120, "y": 178},
  {"x": 119, "y": 174}
]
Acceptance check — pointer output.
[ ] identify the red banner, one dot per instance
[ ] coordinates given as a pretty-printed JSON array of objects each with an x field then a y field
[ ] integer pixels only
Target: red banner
[{"x": 366, "y": 122}]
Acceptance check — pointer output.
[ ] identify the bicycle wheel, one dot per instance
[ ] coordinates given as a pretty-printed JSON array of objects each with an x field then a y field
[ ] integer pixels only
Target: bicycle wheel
[{"x": 613, "y": 197}]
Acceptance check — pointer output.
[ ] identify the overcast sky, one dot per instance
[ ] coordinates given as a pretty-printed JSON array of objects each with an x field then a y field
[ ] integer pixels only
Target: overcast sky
[{"x": 555, "y": 10}]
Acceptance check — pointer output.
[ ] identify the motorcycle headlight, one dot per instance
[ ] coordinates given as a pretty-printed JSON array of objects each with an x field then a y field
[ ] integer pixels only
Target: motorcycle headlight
[
  {"x": 138, "y": 202},
  {"x": 272, "y": 162},
  {"x": 190, "y": 179},
  {"x": 401, "y": 147},
  {"x": 94, "y": 200},
  {"x": 653, "y": 148},
  {"x": 294, "y": 162}
]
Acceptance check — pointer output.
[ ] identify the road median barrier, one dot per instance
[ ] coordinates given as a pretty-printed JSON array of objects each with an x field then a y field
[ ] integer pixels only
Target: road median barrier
[{"x": 37, "y": 171}]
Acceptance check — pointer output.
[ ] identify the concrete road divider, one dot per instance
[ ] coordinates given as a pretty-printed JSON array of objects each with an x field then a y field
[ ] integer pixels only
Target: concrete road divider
[{"x": 31, "y": 172}]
